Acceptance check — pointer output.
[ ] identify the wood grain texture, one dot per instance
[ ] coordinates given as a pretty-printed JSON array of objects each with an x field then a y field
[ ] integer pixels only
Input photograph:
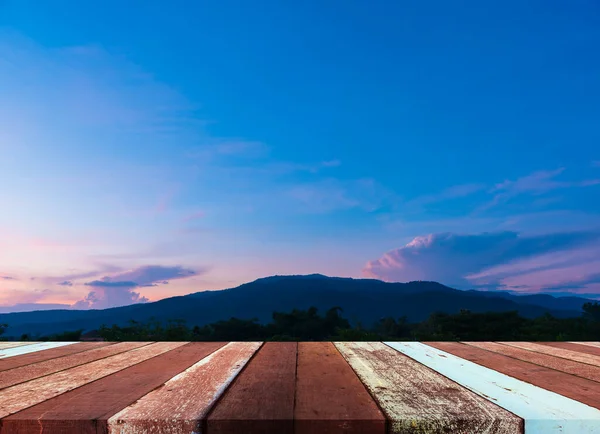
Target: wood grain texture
[
  {"x": 182, "y": 403},
  {"x": 24, "y": 395},
  {"x": 6, "y": 345},
  {"x": 544, "y": 412},
  {"x": 25, "y": 349},
  {"x": 568, "y": 366},
  {"x": 85, "y": 410},
  {"x": 329, "y": 396},
  {"x": 577, "y": 388},
  {"x": 417, "y": 399},
  {"x": 557, "y": 352},
  {"x": 590, "y": 344},
  {"x": 40, "y": 356},
  {"x": 25, "y": 373},
  {"x": 261, "y": 398},
  {"x": 573, "y": 347}
]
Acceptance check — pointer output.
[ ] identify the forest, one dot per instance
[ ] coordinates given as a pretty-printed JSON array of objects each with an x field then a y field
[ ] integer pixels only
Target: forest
[{"x": 309, "y": 325}]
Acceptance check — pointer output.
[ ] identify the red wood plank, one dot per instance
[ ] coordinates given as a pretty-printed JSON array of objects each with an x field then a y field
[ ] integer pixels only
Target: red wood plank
[
  {"x": 86, "y": 409},
  {"x": 182, "y": 403},
  {"x": 52, "y": 353},
  {"x": 261, "y": 398},
  {"x": 586, "y": 349},
  {"x": 29, "y": 372},
  {"x": 330, "y": 398},
  {"x": 16, "y": 398},
  {"x": 577, "y": 388},
  {"x": 570, "y": 367}
]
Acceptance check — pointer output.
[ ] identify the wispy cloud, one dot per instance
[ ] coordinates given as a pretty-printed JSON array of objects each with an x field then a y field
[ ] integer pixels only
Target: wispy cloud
[{"x": 536, "y": 183}]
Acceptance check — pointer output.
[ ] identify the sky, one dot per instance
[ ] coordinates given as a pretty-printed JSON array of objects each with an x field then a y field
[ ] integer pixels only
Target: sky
[{"x": 150, "y": 149}]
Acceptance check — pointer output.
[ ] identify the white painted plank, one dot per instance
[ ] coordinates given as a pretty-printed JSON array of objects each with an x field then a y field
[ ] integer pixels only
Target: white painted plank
[
  {"x": 25, "y": 349},
  {"x": 544, "y": 412},
  {"x": 5, "y": 345}
]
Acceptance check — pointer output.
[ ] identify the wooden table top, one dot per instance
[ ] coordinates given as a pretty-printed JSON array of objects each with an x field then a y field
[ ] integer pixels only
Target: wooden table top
[{"x": 299, "y": 387}]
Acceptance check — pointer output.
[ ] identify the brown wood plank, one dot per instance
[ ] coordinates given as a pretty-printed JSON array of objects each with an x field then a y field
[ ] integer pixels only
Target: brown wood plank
[
  {"x": 51, "y": 353},
  {"x": 261, "y": 398},
  {"x": 570, "y": 367},
  {"x": 25, "y": 373},
  {"x": 85, "y": 410},
  {"x": 558, "y": 352},
  {"x": 571, "y": 386},
  {"x": 573, "y": 347},
  {"x": 416, "y": 398},
  {"x": 330, "y": 398},
  {"x": 24, "y": 395},
  {"x": 182, "y": 403}
]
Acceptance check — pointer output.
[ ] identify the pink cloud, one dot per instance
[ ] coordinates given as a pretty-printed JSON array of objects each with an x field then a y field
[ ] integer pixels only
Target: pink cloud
[{"x": 506, "y": 260}]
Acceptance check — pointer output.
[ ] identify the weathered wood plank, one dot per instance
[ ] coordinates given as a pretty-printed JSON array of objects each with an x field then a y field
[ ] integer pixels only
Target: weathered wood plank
[
  {"x": 544, "y": 412},
  {"x": 6, "y": 345},
  {"x": 568, "y": 366},
  {"x": 591, "y": 344},
  {"x": 25, "y": 349},
  {"x": 182, "y": 403},
  {"x": 52, "y": 353},
  {"x": 415, "y": 398},
  {"x": 330, "y": 398},
  {"x": 558, "y": 352},
  {"x": 576, "y": 388},
  {"x": 261, "y": 398},
  {"x": 25, "y": 373},
  {"x": 573, "y": 347},
  {"x": 85, "y": 410},
  {"x": 24, "y": 395}
]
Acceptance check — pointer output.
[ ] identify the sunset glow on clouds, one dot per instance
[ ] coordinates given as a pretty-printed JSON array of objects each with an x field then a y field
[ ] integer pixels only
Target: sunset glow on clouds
[{"x": 156, "y": 156}]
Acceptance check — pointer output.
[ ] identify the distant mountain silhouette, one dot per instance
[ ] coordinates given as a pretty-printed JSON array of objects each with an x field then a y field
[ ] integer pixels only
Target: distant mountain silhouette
[{"x": 364, "y": 300}]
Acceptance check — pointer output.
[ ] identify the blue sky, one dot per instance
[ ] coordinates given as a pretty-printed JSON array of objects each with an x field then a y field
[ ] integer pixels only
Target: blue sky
[{"x": 208, "y": 143}]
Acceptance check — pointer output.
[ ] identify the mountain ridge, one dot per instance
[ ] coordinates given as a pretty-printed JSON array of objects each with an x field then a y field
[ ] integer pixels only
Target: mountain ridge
[{"x": 363, "y": 300}]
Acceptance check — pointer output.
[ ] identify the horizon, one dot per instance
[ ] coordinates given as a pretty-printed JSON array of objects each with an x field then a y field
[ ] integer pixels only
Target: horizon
[{"x": 187, "y": 147}]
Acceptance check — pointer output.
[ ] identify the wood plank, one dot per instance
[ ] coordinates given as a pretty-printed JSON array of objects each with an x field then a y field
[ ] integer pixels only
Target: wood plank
[
  {"x": 576, "y": 388},
  {"x": 544, "y": 412},
  {"x": 417, "y": 399},
  {"x": 591, "y": 344},
  {"x": 182, "y": 403},
  {"x": 85, "y": 410},
  {"x": 573, "y": 347},
  {"x": 261, "y": 398},
  {"x": 568, "y": 366},
  {"x": 25, "y": 349},
  {"x": 557, "y": 352},
  {"x": 24, "y": 395},
  {"x": 25, "y": 373},
  {"x": 40, "y": 356},
  {"x": 6, "y": 345},
  {"x": 330, "y": 398}
]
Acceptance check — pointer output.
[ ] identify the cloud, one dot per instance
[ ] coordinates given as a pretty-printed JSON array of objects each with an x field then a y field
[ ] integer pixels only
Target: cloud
[
  {"x": 153, "y": 273},
  {"x": 493, "y": 260},
  {"x": 332, "y": 194},
  {"x": 65, "y": 283},
  {"x": 536, "y": 183},
  {"x": 118, "y": 289},
  {"x": 110, "y": 294},
  {"x": 8, "y": 278}
]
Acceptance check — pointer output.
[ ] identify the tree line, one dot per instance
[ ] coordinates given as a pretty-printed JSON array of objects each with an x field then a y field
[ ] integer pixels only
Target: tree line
[{"x": 309, "y": 325}]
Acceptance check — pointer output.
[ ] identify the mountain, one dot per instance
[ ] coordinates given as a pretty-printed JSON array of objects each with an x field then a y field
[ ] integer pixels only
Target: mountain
[{"x": 364, "y": 300}]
